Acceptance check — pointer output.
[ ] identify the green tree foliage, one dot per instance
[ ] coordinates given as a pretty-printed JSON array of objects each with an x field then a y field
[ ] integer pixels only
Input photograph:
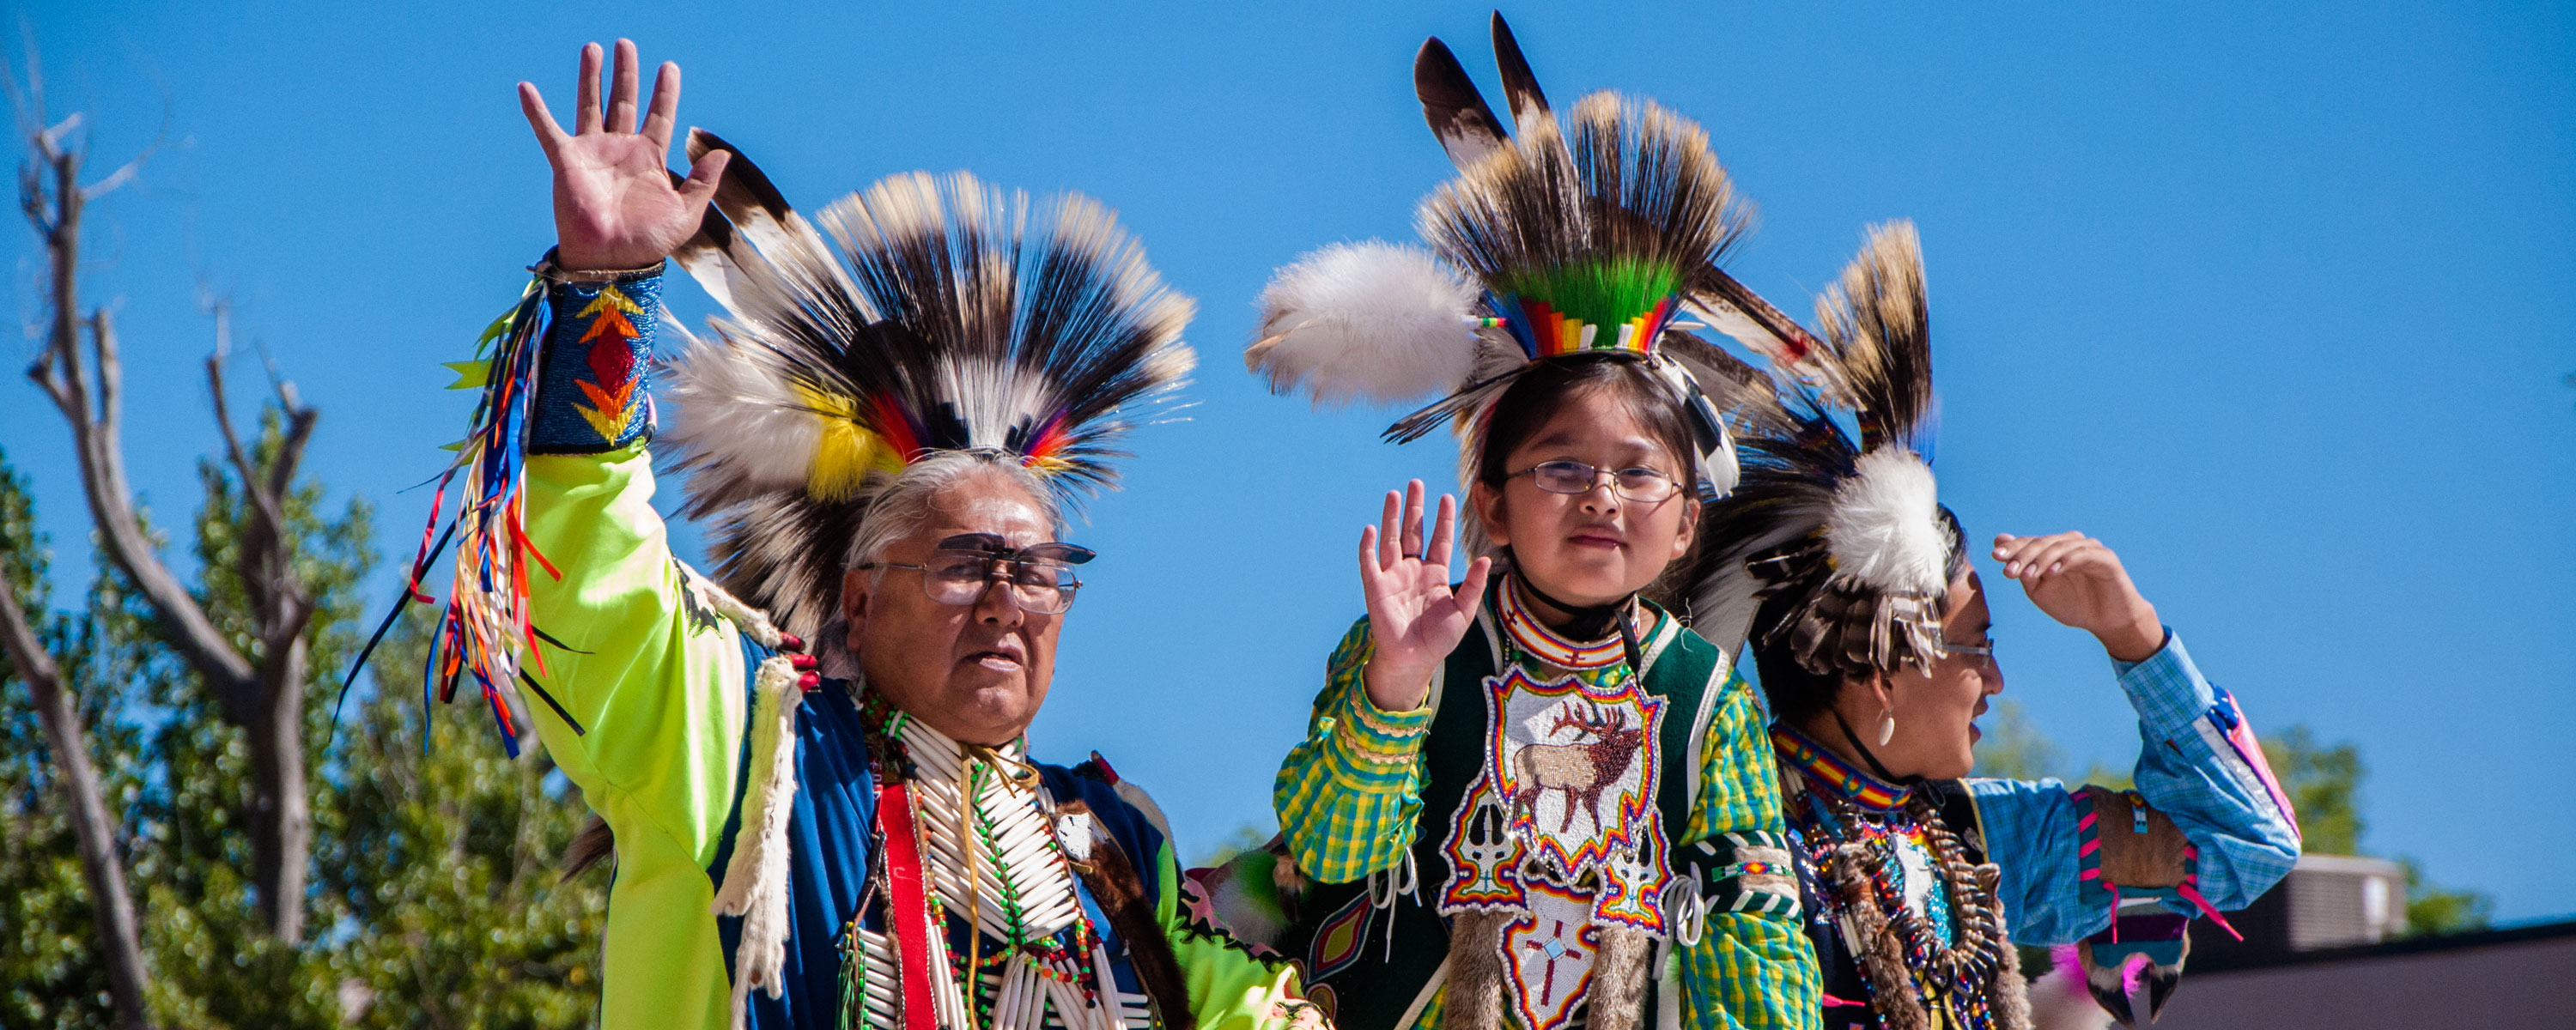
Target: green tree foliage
[
  {"x": 442, "y": 866},
  {"x": 2014, "y": 748},
  {"x": 2324, "y": 784},
  {"x": 2432, "y": 910},
  {"x": 50, "y": 974},
  {"x": 1244, "y": 837},
  {"x": 433, "y": 892}
]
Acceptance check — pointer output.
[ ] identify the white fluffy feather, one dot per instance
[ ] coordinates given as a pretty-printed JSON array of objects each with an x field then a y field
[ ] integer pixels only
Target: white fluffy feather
[
  {"x": 2059, "y": 1001},
  {"x": 734, "y": 410},
  {"x": 1885, "y": 527},
  {"x": 1370, "y": 321}
]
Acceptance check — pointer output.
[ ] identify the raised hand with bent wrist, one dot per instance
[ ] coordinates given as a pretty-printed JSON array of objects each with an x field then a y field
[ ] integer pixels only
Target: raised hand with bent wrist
[
  {"x": 1415, "y": 617},
  {"x": 615, "y": 205},
  {"x": 2079, "y": 582}
]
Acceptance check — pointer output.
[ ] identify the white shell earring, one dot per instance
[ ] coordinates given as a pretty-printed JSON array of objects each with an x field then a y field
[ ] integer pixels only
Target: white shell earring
[{"x": 1886, "y": 727}]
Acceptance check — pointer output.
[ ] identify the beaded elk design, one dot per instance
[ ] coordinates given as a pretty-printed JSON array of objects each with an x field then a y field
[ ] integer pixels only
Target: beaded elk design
[{"x": 1581, "y": 769}]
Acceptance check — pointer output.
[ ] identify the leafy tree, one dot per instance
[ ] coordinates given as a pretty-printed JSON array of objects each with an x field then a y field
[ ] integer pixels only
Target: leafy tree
[
  {"x": 433, "y": 889},
  {"x": 2324, "y": 784},
  {"x": 2014, "y": 748},
  {"x": 48, "y": 959},
  {"x": 395, "y": 881},
  {"x": 440, "y": 853},
  {"x": 1244, "y": 837}
]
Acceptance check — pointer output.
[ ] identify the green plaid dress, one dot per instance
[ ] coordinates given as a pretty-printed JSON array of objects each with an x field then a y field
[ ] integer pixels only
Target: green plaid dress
[{"x": 1350, "y": 802}]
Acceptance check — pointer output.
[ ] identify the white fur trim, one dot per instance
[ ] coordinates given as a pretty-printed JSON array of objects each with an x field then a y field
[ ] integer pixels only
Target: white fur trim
[
  {"x": 755, "y": 881},
  {"x": 1885, "y": 528},
  {"x": 1371, "y": 321}
]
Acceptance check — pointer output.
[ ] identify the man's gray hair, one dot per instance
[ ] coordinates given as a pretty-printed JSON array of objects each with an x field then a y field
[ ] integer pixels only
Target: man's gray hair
[{"x": 903, "y": 504}]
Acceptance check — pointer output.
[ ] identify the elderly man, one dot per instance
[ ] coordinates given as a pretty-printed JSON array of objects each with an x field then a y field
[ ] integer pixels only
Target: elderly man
[{"x": 885, "y": 433}]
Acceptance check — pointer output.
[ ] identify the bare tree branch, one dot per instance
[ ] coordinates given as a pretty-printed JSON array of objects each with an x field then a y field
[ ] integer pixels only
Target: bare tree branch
[
  {"x": 263, "y": 694},
  {"x": 120, "y": 529},
  {"x": 78, "y": 780}
]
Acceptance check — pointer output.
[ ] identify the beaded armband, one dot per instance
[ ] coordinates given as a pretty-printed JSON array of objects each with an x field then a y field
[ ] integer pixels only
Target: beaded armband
[
  {"x": 1747, "y": 871},
  {"x": 592, "y": 394}
]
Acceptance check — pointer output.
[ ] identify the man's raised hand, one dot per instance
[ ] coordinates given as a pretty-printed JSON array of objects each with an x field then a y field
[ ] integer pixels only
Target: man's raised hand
[
  {"x": 1415, "y": 619},
  {"x": 615, "y": 206}
]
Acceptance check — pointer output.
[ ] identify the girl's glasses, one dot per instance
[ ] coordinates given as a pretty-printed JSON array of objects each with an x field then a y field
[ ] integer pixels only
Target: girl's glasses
[{"x": 1637, "y": 483}]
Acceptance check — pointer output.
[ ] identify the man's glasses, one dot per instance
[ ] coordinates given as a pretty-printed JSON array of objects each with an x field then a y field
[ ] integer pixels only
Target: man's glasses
[
  {"x": 1038, "y": 578},
  {"x": 1637, "y": 483}
]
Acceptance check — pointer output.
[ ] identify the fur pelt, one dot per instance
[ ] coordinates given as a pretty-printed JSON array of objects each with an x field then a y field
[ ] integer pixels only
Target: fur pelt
[
  {"x": 1891, "y": 994},
  {"x": 1620, "y": 972},
  {"x": 755, "y": 880},
  {"x": 2010, "y": 996},
  {"x": 1119, "y": 889},
  {"x": 1473, "y": 997}
]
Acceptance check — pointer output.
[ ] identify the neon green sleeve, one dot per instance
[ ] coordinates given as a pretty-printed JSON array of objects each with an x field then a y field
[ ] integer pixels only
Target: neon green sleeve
[
  {"x": 1229, "y": 990},
  {"x": 657, "y": 685}
]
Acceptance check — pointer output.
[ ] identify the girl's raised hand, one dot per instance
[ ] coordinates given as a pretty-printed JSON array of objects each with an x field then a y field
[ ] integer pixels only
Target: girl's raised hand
[{"x": 1415, "y": 617}]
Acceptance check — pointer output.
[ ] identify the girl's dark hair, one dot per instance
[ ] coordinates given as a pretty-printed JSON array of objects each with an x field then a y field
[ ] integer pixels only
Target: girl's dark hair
[
  {"x": 1542, "y": 391},
  {"x": 1795, "y": 691}
]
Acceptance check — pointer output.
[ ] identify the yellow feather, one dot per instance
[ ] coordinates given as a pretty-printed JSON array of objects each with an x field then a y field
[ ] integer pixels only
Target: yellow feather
[{"x": 844, "y": 451}]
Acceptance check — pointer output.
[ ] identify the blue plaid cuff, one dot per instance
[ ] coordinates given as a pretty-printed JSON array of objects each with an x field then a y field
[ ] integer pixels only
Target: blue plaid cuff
[{"x": 2166, "y": 689}]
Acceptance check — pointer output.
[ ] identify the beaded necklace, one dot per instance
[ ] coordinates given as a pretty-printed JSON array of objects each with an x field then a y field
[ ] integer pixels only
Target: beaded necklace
[
  {"x": 1921, "y": 973},
  {"x": 991, "y": 853},
  {"x": 1546, "y": 645}
]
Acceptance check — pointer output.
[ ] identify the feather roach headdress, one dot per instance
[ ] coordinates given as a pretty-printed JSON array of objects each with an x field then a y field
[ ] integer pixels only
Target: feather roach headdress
[
  {"x": 942, "y": 314},
  {"x": 1840, "y": 525},
  {"x": 1586, "y": 237}
]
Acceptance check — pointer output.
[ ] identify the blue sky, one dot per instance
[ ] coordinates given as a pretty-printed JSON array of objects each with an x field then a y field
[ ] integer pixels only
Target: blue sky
[{"x": 2275, "y": 300}]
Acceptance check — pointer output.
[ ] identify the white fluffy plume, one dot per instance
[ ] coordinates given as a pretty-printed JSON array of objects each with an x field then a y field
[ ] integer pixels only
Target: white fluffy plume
[
  {"x": 735, "y": 418},
  {"x": 1365, "y": 320},
  {"x": 1885, "y": 527}
]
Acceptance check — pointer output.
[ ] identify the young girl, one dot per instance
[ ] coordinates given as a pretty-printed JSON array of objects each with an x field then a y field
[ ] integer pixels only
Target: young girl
[{"x": 1535, "y": 798}]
